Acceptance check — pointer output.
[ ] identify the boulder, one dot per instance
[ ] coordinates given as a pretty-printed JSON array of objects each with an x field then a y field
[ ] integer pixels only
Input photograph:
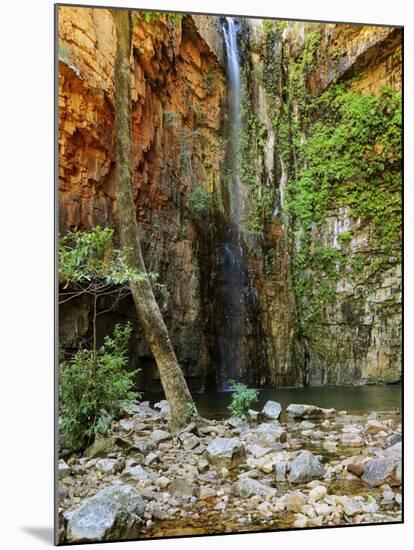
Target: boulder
[
  {"x": 317, "y": 493},
  {"x": 305, "y": 467},
  {"x": 309, "y": 411},
  {"x": 63, "y": 469},
  {"x": 160, "y": 435},
  {"x": 280, "y": 472},
  {"x": 183, "y": 487},
  {"x": 226, "y": 452},
  {"x": 294, "y": 501},
  {"x": 188, "y": 440},
  {"x": 268, "y": 434},
  {"x": 272, "y": 410},
  {"x": 113, "y": 513},
  {"x": 247, "y": 487},
  {"x": 382, "y": 470},
  {"x": 109, "y": 465},
  {"x": 100, "y": 447},
  {"x": 135, "y": 471}
]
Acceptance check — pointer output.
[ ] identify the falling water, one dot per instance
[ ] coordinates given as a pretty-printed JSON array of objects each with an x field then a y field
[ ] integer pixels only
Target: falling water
[
  {"x": 233, "y": 73},
  {"x": 230, "y": 252}
]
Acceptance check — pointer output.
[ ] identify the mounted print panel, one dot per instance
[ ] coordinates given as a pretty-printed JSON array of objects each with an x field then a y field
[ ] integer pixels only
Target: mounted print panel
[{"x": 229, "y": 259}]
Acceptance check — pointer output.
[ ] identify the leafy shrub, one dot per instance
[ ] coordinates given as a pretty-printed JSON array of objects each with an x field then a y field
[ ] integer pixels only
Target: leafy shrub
[
  {"x": 199, "y": 200},
  {"x": 93, "y": 388},
  {"x": 242, "y": 399}
]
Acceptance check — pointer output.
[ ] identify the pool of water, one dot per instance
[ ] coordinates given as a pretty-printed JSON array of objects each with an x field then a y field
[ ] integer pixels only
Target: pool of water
[{"x": 354, "y": 399}]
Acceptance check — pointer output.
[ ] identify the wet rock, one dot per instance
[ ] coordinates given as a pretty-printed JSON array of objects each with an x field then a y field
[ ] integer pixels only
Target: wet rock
[
  {"x": 247, "y": 487},
  {"x": 64, "y": 469},
  {"x": 226, "y": 452},
  {"x": 396, "y": 438},
  {"x": 305, "y": 467},
  {"x": 306, "y": 425},
  {"x": 113, "y": 513},
  {"x": 158, "y": 436},
  {"x": 272, "y": 410},
  {"x": 309, "y": 411}
]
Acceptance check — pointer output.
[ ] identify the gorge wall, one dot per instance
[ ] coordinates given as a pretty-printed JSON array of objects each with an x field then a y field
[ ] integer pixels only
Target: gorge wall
[{"x": 321, "y": 280}]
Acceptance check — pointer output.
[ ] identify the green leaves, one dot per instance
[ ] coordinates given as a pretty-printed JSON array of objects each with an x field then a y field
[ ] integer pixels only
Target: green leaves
[
  {"x": 241, "y": 400},
  {"x": 92, "y": 392},
  {"x": 199, "y": 200},
  {"x": 88, "y": 256}
]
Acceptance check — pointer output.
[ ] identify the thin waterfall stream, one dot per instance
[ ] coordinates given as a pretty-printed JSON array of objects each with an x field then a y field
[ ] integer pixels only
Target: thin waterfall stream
[{"x": 230, "y": 251}]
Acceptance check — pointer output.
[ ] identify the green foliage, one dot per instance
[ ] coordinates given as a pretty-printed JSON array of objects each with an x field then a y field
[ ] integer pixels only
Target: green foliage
[
  {"x": 87, "y": 256},
  {"x": 345, "y": 236},
  {"x": 151, "y": 16},
  {"x": 92, "y": 390},
  {"x": 199, "y": 200},
  {"x": 241, "y": 400}
]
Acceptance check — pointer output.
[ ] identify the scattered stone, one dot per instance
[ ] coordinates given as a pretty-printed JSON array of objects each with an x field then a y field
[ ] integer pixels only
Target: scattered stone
[
  {"x": 126, "y": 424},
  {"x": 151, "y": 458},
  {"x": 162, "y": 482},
  {"x": 202, "y": 465},
  {"x": 294, "y": 501},
  {"x": 396, "y": 438},
  {"x": 160, "y": 435},
  {"x": 100, "y": 447},
  {"x": 63, "y": 469},
  {"x": 113, "y": 513},
  {"x": 247, "y": 487},
  {"x": 280, "y": 472},
  {"x": 109, "y": 465},
  {"x": 309, "y": 411},
  {"x": 356, "y": 468},
  {"x": 226, "y": 452},
  {"x": 318, "y": 493},
  {"x": 381, "y": 470},
  {"x": 305, "y": 467},
  {"x": 306, "y": 425},
  {"x": 135, "y": 471},
  {"x": 257, "y": 451},
  {"x": 352, "y": 440},
  {"x": 206, "y": 492},
  {"x": 189, "y": 440},
  {"x": 374, "y": 427},
  {"x": 144, "y": 445},
  {"x": 182, "y": 487},
  {"x": 272, "y": 410}
]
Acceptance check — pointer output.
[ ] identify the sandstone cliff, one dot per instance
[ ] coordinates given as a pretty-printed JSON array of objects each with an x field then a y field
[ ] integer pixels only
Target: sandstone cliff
[{"x": 322, "y": 301}]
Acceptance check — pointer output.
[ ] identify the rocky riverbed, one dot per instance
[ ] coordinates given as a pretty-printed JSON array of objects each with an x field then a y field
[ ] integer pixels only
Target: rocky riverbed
[{"x": 304, "y": 466}]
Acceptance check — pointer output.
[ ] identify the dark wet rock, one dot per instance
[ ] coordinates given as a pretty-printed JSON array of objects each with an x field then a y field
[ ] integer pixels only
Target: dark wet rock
[
  {"x": 272, "y": 410},
  {"x": 396, "y": 438},
  {"x": 247, "y": 487},
  {"x": 113, "y": 513},
  {"x": 226, "y": 452},
  {"x": 309, "y": 411},
  {"x": 305, "y": 467}
]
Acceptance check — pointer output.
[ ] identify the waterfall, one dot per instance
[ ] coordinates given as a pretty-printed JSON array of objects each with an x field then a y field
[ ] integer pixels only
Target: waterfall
[
  {"x": 233, "y": 74},
  {"x": 230, "y": 275}
]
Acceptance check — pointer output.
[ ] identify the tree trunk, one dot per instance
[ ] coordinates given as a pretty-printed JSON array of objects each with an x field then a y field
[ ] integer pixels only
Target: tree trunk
[{"x": 172, "y": 379}]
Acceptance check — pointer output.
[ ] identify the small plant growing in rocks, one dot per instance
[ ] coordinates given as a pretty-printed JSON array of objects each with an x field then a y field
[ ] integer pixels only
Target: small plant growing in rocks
[{"x": 242, "y": 399}]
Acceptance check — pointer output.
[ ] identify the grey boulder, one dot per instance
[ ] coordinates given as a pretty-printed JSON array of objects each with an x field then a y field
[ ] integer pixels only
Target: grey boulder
[
  {"x": 113, "y": 513},
  {"x": 305, "y": 467},
  {"x": 309, "y": 411},
  {"x": 247, "y": 487},
  {"x": 272, "y": 410},
  {"x": 225, "y": 452}
]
